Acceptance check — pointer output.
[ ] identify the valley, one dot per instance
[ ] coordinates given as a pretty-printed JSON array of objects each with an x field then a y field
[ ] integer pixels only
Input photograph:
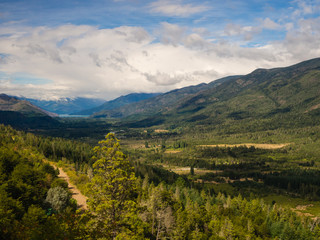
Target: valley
[
  {"x": 198, "y": 161},
  {"x": 249, "y": 169},
  {"x": 160, "y": 120}
]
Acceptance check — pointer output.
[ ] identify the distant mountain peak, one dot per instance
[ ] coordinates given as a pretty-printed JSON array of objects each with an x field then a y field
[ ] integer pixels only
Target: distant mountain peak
[
  {"x": 11, "y": 103},
  {"x": 66, "y": 105}
]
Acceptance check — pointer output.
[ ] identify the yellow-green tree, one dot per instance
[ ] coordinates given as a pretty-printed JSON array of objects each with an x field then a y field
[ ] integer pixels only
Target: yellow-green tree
[{"x": 112, "y": 192}]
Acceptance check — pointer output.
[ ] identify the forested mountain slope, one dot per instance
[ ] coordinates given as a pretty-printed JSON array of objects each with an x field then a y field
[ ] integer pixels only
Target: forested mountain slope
[
  {"x": 162, "y": 102},
  {"x": 280, "y": 94}
]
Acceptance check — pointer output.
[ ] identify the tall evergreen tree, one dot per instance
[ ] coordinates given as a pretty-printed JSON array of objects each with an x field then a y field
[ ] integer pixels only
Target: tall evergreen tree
[{"x": 112, "y": 192}]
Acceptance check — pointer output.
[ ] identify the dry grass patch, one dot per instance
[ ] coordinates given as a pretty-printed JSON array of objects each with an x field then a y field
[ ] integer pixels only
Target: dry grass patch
[
  {"x": 173, "y": 151},
  {"x": 313, "y": 108},
  {"x": 256, "y": 145},
  {"x": 161, "y": 131}
]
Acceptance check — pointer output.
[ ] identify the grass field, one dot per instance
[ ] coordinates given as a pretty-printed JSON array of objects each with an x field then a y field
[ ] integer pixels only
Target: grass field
[{"x": 299, "y": 205}]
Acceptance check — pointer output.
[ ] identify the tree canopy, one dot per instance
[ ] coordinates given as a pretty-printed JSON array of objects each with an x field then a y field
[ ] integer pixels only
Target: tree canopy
[{"x": 112, "y": 190}]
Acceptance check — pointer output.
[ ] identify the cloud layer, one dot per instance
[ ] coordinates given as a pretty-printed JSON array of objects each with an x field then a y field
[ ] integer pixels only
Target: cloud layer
[{"x": 70, "y": 60}]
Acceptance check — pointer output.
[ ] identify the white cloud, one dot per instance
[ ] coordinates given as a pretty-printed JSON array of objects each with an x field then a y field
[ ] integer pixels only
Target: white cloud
[
  {"x": 195, "y": 41},
  {"x": 310, "y": 26},
  {"x": 175, "y": 8},
  {"x": 165, "y": 79},
  {"x": 289, "y": 26},
  {"x": 201, "y": 31},
  {"x": 269, "y": 24},
  {"x": 247, "y": 32},
  {"x": 88, "y": 61},
  {"x": 305, "y": 8},
  {"x": 171, "y": 33},
  {"x": 303, "y": 43}
]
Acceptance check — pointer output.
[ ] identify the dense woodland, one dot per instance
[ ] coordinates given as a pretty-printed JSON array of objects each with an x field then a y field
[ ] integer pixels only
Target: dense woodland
[{"x": 133, "y": 195}]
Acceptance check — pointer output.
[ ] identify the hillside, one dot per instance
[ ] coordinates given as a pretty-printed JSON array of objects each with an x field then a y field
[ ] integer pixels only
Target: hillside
[
  {"x": 160, "y": 103},
  {"x": 8, "y": 103},
  {"x": 118, "y": 102},
  {"x": 23, "y": 114},
  {"x": 275, "y": 96}
]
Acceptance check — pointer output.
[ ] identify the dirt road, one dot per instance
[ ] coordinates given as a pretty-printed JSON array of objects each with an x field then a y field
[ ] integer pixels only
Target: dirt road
[{"x": 76, "y": 194}]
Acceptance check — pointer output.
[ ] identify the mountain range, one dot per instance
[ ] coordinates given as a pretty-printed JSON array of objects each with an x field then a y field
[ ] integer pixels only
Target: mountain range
[
  {"x": 87, "y": 106},
  {"x": 275, "y": 98},
  {"x": 66, "y": 105},
  {"x": 118, "y": 102},
  {"x": 278, "y": 97},
  {"x": 160, "y": 103}
]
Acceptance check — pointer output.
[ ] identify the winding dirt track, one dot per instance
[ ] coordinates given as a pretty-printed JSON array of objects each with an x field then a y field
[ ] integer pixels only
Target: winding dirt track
[{"x": 76, "y": 194}]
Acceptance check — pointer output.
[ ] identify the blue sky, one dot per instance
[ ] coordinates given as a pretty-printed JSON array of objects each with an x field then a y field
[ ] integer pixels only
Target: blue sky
[{"x": 105, "y": 48}]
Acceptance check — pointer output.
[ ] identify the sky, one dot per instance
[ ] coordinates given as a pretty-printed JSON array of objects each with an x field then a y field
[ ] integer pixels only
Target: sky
[{"x": 108, "y": 48}]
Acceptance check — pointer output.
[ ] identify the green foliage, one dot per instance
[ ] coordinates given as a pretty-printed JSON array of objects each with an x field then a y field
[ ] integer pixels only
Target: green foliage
[
  {"x": 25, "y": 180},
  {"x": 58, "y": 198},
  {"x": 183, "y": 213},
  {"x": 57, "y": 182},
  {"x": 111, "y": 191}
]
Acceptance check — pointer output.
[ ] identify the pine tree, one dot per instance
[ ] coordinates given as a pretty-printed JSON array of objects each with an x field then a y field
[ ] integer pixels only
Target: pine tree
[{"x": 112, "y": 190}]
